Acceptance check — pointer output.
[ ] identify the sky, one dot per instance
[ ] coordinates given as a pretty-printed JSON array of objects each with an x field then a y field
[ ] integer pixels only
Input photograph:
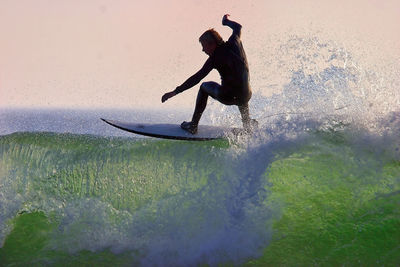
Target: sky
[{"x": 126, "y": 54}]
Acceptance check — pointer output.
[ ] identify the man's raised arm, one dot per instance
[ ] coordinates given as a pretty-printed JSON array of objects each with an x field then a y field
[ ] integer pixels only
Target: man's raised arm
[{"x": 236, "y": 27}]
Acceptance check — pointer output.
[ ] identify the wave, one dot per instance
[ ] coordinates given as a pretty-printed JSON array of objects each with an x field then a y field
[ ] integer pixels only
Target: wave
[
  {"x": 137, "y": 195},
  {"x": 172, "y": 203}
]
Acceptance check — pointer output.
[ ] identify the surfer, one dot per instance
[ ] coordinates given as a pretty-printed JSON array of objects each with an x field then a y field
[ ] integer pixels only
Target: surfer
[{"x": 230, "y": 60}]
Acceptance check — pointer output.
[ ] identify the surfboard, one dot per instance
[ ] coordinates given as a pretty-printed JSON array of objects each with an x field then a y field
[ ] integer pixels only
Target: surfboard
[{"x": 174, "y": 131}]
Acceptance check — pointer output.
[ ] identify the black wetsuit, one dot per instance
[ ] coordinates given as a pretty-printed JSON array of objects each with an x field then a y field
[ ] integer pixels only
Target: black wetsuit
[{"x": 230, "y": 60}]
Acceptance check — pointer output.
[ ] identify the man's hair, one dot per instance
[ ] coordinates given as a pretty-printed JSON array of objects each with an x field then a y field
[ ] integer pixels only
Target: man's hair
[{"x": 211, "y": 35}]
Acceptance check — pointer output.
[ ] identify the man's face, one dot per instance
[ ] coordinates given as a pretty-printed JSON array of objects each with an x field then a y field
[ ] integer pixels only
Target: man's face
[{"x": 208, "y": 47}]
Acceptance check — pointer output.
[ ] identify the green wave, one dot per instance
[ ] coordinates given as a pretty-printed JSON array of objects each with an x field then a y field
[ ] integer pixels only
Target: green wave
[
  {"x": 123, "y": 172},
  {"x": 339, "y": 207},
  {"x": 331, "y": 201}
]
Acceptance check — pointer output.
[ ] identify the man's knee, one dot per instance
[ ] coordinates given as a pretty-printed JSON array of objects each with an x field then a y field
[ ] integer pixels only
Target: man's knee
[
  {"x": 203, "y": 86},
  {"x": 210, "y": 88},
  {"x": 207, "y": 85}
]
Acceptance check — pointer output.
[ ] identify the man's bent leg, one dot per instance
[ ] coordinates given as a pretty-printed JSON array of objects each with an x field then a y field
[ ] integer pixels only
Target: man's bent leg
[{"x": 206, "y": 89}]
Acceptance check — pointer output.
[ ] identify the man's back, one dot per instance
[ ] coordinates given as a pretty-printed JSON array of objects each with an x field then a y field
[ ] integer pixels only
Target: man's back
[{"x": 230, "y": 60}]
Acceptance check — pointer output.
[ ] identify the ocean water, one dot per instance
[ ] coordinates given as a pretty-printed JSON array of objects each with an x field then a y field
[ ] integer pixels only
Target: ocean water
[{"x": 317, "y": 185}]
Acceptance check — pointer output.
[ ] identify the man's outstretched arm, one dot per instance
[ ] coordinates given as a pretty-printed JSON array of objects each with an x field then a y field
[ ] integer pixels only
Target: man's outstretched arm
[
  {"x": 236, "y": 27},
  {"x": 191, "y": 81}
]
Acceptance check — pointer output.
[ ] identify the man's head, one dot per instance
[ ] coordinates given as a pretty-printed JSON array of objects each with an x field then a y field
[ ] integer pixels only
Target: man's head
[{"x": 210, "y": 39}]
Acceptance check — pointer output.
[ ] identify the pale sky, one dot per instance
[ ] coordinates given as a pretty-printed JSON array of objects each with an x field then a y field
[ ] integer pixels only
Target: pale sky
[{"x": 126, "y": 54}]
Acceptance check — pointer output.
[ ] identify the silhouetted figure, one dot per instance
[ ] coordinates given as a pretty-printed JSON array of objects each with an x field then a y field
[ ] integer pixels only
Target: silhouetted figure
[{"x": 230, "y": 60}]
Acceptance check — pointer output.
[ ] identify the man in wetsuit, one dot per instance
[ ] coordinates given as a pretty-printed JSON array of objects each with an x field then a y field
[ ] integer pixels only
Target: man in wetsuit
[{"x": 230, "y": 60}]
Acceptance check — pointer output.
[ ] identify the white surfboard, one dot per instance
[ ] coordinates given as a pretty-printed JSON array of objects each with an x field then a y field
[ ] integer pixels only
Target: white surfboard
[{"x": 174, "y": 131}]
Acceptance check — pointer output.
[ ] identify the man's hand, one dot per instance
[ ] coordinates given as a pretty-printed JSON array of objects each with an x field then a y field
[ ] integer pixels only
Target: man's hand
[
  {"x": 168, "y": 95},
  {"x": 225, "y": 19}
]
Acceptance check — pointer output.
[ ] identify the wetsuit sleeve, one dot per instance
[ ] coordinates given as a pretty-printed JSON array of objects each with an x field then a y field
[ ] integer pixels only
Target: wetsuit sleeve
[
  {"x": 236, "y": 27},
  {"x": 196, "y": 78}
]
